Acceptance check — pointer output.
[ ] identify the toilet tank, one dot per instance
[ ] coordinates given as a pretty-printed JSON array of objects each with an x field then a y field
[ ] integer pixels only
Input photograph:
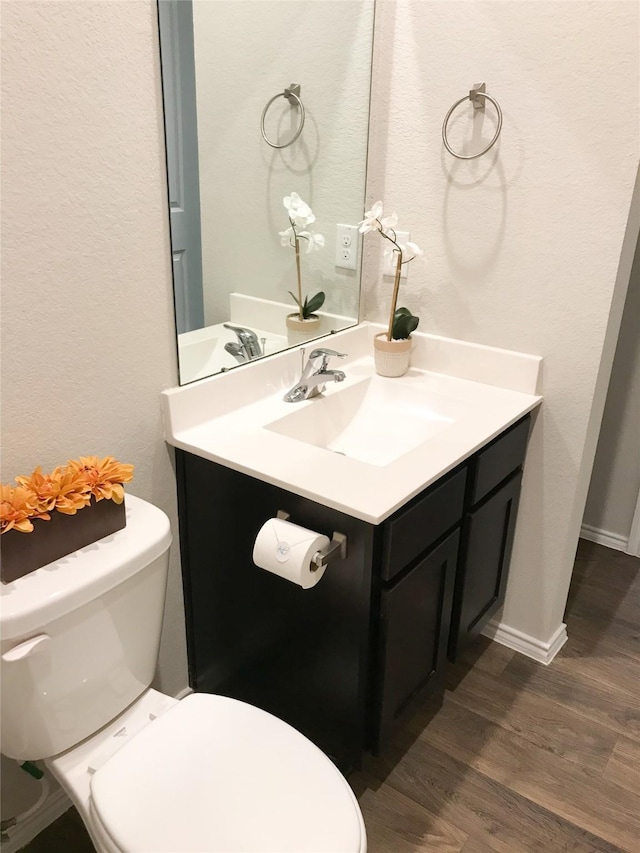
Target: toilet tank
[{"x": 80, "y": 636}]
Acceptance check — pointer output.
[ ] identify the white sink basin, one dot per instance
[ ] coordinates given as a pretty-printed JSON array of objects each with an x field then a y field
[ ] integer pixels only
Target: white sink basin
[
  {"x": 368, "y": 444},
  {"x": 375, "y": 420}
]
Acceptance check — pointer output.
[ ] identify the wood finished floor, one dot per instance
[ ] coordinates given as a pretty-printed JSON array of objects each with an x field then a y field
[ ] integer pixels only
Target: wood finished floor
[{"x": 521, "y": 757}]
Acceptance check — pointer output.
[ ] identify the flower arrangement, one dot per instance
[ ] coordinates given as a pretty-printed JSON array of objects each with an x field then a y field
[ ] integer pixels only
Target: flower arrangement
[
  {"x": 300, "y": 217},
  {"x": 66, "y": 489},
  {"x": 89, "y": 483},
  {"x": 401, "y": 321}
]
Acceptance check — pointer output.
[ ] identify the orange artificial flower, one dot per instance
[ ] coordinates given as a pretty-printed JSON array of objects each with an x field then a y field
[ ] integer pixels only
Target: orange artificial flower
[
  {"x": 104, "y": 477},
  {"x": 73, "y": 490},
  {"x": 44, "y": 489},
  {"x": 16, "y": 505},
  {"x": 67, "y": 489}
]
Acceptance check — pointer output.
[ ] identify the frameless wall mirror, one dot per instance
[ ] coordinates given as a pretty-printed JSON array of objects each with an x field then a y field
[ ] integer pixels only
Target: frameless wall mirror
[{"x": 265, "y": 101}]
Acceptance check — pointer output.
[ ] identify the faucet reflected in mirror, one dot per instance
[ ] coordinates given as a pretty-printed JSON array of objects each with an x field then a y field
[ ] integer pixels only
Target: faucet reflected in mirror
[
  {"x": 247, "y": 347},
  {"x": 226, "y": 184}
]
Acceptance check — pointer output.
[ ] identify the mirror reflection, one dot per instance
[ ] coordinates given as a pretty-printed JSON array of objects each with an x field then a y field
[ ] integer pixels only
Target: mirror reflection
[{"x": 266, "y": 115}]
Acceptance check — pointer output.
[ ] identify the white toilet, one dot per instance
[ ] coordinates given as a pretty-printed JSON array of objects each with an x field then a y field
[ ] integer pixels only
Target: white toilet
[{"x": 149, "y": 773}]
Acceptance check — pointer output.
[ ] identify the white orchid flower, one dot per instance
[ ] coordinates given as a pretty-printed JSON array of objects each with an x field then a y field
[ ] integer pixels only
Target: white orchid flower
[
  {"x": 389, "y": 222},
  {"x": 412, "y": 248},
  {"x": 415, "y": 250},
  {"x": 371, "y": 221},
  {"x": 298, "y": 210},
  {"x": 286, "y": 237},
  {"x": 313, "y": 241}
]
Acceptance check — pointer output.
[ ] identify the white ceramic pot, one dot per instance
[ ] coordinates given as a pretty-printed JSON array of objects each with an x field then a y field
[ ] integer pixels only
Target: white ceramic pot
[
  {"x": 299, "y": 331},
  {"x": 391, "y": 357}
]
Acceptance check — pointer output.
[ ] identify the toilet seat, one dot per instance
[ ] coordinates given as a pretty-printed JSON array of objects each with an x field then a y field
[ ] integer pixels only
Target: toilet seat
[{"x": 218, "y": 775}]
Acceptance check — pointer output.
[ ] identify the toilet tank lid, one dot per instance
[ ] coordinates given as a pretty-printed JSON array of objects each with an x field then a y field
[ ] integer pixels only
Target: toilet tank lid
[{"x": 30, "y": 603}]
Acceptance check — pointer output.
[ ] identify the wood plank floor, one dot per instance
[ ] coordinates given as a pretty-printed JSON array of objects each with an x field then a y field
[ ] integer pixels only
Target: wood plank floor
[
  {"x": 521, "y": 758},
  {"x": 524, "y": 757}
]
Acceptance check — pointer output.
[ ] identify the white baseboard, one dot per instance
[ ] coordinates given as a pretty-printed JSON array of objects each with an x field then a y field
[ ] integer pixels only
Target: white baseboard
[
  {"x": 525, "y": 644},
  {"x": 185, "y": 692},
  {"x": 53, "y": 807},
  {"x": 604, "y": 537}
]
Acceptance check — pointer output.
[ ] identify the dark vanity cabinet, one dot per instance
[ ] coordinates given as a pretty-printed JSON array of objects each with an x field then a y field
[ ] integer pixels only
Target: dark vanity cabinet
[
  {"x": 491, "y": 508},
  {"x": 345, "y": 661},
  {"x": 416, "y": 583},
  {"x": 301, "y": 654},
  {"x": 413, "y": 626}
]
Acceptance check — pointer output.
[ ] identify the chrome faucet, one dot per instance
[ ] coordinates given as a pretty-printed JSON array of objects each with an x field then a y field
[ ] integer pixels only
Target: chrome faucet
[
  {"x": 248, "y": 346},
  {"x": 314, "y": 375}
]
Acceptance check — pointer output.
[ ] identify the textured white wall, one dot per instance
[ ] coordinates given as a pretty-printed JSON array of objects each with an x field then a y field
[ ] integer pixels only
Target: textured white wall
[
  {"x": 615, "y": 480},
  {"x": 245, "y": 53},
  {"x": 87, "y": 318},
  {"x": 522, "y": 244},
  {"x": 522, "y": 251}
]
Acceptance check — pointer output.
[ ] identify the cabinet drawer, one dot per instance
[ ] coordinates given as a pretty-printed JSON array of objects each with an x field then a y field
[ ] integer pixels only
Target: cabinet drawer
[
  {"x": 416, "y": 527},
  {"x": 499, "y": 459}
]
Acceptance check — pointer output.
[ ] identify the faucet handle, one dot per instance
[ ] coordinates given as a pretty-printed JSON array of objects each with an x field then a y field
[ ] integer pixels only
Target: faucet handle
[
  {"x": 325, "y": 355},
  {"x": 240, "y": 330}
]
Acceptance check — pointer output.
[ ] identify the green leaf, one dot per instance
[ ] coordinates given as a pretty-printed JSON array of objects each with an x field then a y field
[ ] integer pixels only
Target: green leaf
[
  {"x": 404, "y": 322},
  {"x": 295, "y": 299},
  {"x": 311, "y": 305}
]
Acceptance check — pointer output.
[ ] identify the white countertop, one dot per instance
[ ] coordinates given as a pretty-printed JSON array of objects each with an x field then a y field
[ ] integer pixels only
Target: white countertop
[{"x": 227, "y": 421}]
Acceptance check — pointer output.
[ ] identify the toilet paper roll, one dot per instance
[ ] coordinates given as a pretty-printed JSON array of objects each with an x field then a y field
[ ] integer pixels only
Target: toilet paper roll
[{"x": 286, "y": 550}]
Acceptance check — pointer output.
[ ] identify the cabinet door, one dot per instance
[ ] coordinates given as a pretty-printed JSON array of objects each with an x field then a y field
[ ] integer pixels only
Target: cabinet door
[
  {"x": 484, "y": 562},
  {"x": 414, "y": 627}
]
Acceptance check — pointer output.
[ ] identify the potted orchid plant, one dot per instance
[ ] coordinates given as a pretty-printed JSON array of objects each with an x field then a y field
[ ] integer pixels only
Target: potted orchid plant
[
  {"x": 303, "y": 323},
  {"x": 392, "y": 348}
]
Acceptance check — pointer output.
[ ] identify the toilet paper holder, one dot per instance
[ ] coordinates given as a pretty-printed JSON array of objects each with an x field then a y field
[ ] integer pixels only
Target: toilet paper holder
[{"x": 336, "y": 549}]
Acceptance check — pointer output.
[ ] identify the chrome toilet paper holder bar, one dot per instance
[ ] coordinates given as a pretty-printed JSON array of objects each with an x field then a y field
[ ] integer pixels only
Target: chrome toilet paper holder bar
[{"x": 335, "y": 550}]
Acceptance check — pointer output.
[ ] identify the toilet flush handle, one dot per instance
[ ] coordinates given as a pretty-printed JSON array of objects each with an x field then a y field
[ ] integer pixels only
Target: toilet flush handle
[{"x": 29, "y": 647}]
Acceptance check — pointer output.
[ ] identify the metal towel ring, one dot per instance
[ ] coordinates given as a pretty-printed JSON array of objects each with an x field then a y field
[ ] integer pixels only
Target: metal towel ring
[
  {"x": 475, "y": 94},
  {"x": 292, "y": 94}
]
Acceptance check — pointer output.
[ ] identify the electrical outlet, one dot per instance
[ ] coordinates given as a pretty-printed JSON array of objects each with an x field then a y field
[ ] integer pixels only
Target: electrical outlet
[
  {"x": 389, "y": 264},
  {"x": 346, "y": 247}
]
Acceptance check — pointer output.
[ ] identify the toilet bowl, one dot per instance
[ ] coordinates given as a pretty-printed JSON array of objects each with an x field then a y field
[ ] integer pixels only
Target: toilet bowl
[
  {"x": 208, "y": 774},
  {"x": 145, "y": 771}
]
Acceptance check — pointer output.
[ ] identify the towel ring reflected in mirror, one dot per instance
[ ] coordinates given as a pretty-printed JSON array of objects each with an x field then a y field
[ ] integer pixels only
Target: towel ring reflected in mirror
[
  {"x": 292, "y": 94},
  {"x": 475, "y": 94}
]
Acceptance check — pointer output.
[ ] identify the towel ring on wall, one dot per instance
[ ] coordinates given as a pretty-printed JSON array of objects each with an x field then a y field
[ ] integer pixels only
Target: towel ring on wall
[
  {"x": 292, "y": 94},
  {"x": 478, "y": 98}
]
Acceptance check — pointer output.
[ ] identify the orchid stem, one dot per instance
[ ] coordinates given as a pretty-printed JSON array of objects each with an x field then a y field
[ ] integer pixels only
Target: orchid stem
[
  {"x": 396, "y": 283},
  {"x": 386, "y": 237},
  {"x": 394, "y": 297},
  {"x": 299, "y": 277}
]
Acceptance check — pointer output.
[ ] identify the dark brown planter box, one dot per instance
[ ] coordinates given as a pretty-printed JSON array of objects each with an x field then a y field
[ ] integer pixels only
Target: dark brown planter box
[{"x": 22, "y": 553}]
